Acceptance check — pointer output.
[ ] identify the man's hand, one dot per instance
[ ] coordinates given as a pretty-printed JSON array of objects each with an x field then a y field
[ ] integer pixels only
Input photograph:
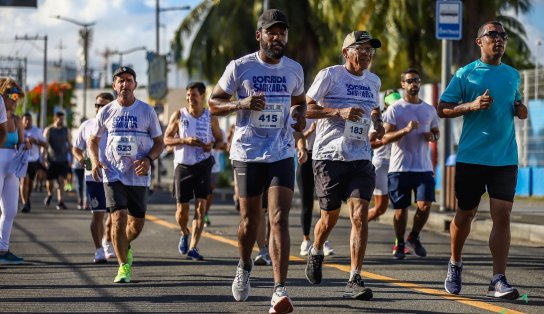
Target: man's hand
[
  {"x": 430, "y": 137},
  {"x": 253, "y": 102},
  {"x": 352, "y": 113},
  {"x": 97, "y": 170},
  {"x": 302, "y": 156},
  {"x": 141, "y": 166},
  {"x": 520, "y": 110},
  {"x": 193, "y": 141},
  {"x": 297, "y": 113},
  {"x": 412, "y": 125},
  {"x": 380, "y": 130},
  {"x": 482, "y": 102},
  {"x": 207, "y": 147}
]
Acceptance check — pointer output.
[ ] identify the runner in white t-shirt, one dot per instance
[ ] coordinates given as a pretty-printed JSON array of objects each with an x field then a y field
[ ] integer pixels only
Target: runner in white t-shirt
[
  {"x": 34, "y": 136},
  {"x": 134, "y": 141},
  {"x": 344, "y": 99},
  {"x": 3, "y": 123},
  {"x": 95, "y": 190},
  {"x": 270, "y": 92},
  {"x": 410, "y": 125},
  {"x": 192, "y": 132}
]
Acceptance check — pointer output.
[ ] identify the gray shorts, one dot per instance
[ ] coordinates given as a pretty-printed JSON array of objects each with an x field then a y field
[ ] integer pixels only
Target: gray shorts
[
  {"x": 130, "y": 197},
  {"x": 336, "y": 181}
]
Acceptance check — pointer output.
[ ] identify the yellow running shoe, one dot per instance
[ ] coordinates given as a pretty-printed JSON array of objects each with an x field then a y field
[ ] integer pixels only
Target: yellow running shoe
[
  {"x": 130, "y": 256},
  {"x": 124, "y": 274}
]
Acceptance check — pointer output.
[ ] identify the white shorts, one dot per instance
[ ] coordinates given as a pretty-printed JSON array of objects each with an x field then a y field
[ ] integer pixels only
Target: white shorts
[{"x": 382, "y": 168}]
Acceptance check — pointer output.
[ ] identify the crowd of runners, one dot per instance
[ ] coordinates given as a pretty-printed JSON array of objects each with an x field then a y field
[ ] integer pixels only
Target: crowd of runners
[{"x": 333, "y": 138}]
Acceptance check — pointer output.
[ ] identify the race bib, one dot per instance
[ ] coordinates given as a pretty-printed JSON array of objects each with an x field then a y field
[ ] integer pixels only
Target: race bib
[
  {"x": 271, "y": 117},
  {"x": 357, "y": 130},
  {"x": 125, "y": 146}
]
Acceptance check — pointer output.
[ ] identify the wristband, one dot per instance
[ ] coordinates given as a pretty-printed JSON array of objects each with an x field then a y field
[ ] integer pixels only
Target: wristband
[{"x": 150, "y": 160}]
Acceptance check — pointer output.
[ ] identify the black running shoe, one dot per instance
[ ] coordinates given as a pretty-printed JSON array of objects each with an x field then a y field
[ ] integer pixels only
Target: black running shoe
[
  {"x": 314, "y": 268},
  {"x": 26, "y": 208},
  {"x": 47, "y": 200},
  {"x": 355, "y": 289},
  {"x": 61, "y": 206},
  {"x": 417, "y": 247}
]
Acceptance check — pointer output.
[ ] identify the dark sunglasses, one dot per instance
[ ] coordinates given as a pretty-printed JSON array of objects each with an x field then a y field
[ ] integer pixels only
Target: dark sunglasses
[
  {"x": 98, "y": 106},
  {"x": 416, "y": 80},
  {"x": 495, "y": 35}
]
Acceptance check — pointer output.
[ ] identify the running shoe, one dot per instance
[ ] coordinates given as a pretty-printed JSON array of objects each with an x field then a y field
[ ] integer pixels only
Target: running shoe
[
  {"x": 100, "y": 256},
  {"x": 194, "y": 255},
  {"x": 61, "y": 206},
  {"x": 68, "y": 187},
  {"x": 305, "y": 246},
  {"x": 453, "y": 284},
  {"x": 207, "y": 221},
  {"x": 109, "y": 249},
  {"x": 124, "y": 274},
  {"x": 399, "y": 250},
  {"x": 26, "y": 208},
  {"x": 416, "y": 246},
  {"x": 355, "y": 289},
  {"x": 10, "y": 258},
  {"x": 263, "y": 258},
  {"x": 130, "y": 256},
  {"x": 500, "y": 288},
  {"x": 47, "y": 200},
  {"x": 280, "y": 303},
  {"x": 327, "y": 248},
  {"x": 314, "y": 268},
  {"x": 240, "y": 286},
  {"x": 183, "y": 246}
]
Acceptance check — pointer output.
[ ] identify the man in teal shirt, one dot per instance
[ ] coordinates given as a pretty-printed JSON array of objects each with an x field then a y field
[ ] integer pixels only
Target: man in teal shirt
[{"x": 486, "y": 93}]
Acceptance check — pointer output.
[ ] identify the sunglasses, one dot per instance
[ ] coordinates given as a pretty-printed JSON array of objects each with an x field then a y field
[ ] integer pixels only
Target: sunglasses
[
  {"x": 367, "y": 50},
  {"x": 97, "y": 106},
  {"x": 416, "y": 80},
  {"x": 495, "y": 35},
  {"x": 14, "y": 96}
]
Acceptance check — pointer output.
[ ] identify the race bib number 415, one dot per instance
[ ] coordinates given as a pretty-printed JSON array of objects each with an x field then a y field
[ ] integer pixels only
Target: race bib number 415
[
  {"x": 270, "y": 117},
  {"x": 357, "y": 130},
  {"x": 125, "y": 146}
]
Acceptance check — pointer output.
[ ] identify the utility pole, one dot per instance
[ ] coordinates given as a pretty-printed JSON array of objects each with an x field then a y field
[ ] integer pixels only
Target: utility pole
[
  {"x": 43, "y": 111},
  {"x": 538, "y": 43}
]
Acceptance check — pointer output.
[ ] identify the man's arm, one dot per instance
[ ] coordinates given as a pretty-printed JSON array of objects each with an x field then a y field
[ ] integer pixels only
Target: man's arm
[
  {"x": 376, "y": 117},
  {"x": 520, "y": 110},
  {"x": 143, "y": 165},
  {"x": 221, "y": 105},
  {"x": 217, "y": 134},
  {"x": 392, "y": 135},
  {"x": 315, "y": 111},
  {"x": 79, "y": 156},
  {"x": 172, "y": 129},
  {"x": 92, "y": 148},
  {"x": 453, "y": 110},
  {"x": 298, "y": 112}
]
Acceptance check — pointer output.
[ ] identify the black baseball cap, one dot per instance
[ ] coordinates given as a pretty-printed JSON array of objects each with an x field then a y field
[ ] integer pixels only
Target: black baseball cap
[
  {"x": 359, "y": 37},
  {"x": 272, "y": 17},
  {"x": 124, "y": 69}
]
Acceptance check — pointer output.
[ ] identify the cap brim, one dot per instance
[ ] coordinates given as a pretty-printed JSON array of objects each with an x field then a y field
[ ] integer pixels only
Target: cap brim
[
  {"x": 375, "y": 43},
  {"x": 267, "y": 26}
]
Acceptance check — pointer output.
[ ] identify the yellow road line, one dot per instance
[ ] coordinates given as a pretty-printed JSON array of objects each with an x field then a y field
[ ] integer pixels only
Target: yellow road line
[{"x": 344, "y": 268}]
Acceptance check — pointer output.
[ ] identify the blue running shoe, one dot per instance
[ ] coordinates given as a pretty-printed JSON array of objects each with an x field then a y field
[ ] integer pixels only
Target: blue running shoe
[
  {"x": 452, "y": 284},
  {"x": 183, "y": 244},
  {"x": 194, "y": 255},
  {"x": 10, "y": 258},
  {"x": 500, "y": 288}
]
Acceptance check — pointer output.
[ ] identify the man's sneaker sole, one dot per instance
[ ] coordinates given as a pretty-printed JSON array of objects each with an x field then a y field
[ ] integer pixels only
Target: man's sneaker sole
[
  {"x": 260, "y": 261},
  {"x": 512, "y": 295},
  {"x": 364, "y": 295},
  {"x": 100, "y": 261},
  {"x": 121, "y": 280},
  {"x": 284, "y": 305}
]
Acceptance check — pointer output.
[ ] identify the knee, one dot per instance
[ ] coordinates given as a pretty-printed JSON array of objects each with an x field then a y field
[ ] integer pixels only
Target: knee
[{"x": 328, "y": 222}]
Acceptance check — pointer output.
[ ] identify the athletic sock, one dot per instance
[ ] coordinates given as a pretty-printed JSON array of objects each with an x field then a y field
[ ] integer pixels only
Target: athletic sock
[
  {"x": 353, "y": 273},
  {"x": 316, "y": 251},
  {"x": 245, "y": 265}
]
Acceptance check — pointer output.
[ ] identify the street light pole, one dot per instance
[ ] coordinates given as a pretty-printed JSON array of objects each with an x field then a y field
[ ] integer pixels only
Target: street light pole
[
  {"x": 126, "y": 52},
  {"x": 84, "y": 32},
  {"x": 158, "y": 10},
  {"x": 538, "y": 43}
]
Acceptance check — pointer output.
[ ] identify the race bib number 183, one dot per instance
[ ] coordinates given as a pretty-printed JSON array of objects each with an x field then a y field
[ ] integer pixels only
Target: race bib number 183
[{"x": 357, "y": 130}]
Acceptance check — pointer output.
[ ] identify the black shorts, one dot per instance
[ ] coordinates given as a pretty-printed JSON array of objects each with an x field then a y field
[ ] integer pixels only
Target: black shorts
[
  {"x": 132, "y": 198},
  {"x": 57, "y": 169},
  {"x": 253, "y": 178},
  {"x": 96, "y": 196},
  {"x": 336, "y": 181},
  {"x": 193, "y": 180},
  {"x": 472, "y": 181},
  {"x": 32, "y": 169},
  {"x": 403, "y": 184}
]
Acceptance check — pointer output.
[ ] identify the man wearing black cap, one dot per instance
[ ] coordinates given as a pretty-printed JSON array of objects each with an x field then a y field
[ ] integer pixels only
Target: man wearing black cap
[
  {"x": 270, "y": 104},
  {"x": 344, "y": 99},
  {"x": 59, "y": 147},
  {"x": 134, "y": 141}
]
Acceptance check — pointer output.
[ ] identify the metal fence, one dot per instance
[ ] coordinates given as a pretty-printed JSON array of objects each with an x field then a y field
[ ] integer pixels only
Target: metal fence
[{"x": 530, "y": 132}]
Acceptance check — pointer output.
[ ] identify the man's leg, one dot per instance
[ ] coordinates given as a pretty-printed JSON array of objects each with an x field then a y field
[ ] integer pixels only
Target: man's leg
[
  {"x": 97, "y": 228},
  {"x": 250, "y": 217},
  {"x": 358, "y": 209},
  {"x": 182, "y": 217},
  {"x": 499, "y": 239},
  {"x": 400, "y": 220},
  {"x": 459, "y": 231},
  {"x": 24, "y": 189},
  {"x": 60, "y": 188},
  {"x": 134, "y": 228},
  {"x": 324, "y": 226},
  {"x": 381, "y": 202},
  {"x": 198, "y": 221},
  {"x": 108, "y": 228},
  {"x": 279, "y": 204},
  {"x": 119, "y": 234}
]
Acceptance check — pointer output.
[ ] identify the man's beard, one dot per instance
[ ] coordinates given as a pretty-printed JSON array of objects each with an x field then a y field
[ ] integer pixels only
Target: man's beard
[
  {"x": 270, "y": 53},
  {"x": 413, "y": 92}
]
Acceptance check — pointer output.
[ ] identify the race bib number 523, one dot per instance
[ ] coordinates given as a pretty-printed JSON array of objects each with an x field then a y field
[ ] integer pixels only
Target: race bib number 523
[{"x": 125, "y": 146}]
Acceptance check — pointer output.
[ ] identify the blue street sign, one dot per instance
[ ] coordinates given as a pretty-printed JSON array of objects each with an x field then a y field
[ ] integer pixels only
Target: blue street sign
[{"x": 449, "y": 19}]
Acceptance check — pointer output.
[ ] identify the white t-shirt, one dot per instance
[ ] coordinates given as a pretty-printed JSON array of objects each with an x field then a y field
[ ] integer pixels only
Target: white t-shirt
[
  {"x": 80, "y": 141},
  {"x": 263, "y": 136},
  {"x": 311, "y": 138},
  {"x": 190, "y": 126},
  {"x": 37, "y": 134},
  {"x": 336, "y": 138},
  {"x": 411, "y": 152},
  {"x": 3, "y": 114},
  {"x": 130, "y": 133}
]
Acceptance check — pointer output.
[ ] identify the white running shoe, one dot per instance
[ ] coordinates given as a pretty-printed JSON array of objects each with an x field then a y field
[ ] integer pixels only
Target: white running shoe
[
  {"x": 100, "y": 256},
  {"x": 263, "y": 258},
  {"x": 280, "y": 303},
  {"x": 240, "y": 285},
  {"x": 327, "y": 248},
  {"x": 108, "y": 249},
  {"x": 305, "y": 246}
]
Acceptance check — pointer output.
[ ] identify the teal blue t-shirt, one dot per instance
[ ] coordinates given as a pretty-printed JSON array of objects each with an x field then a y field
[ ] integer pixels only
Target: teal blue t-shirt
[{"x": 488, "y": 136}]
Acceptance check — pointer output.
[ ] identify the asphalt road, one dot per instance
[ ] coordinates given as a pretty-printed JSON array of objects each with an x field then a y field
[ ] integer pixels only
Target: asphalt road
[{"x": 58, "y": 274}]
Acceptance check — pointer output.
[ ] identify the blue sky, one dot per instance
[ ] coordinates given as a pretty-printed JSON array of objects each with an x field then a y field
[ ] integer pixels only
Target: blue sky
[{"x": 125, "y": 24}]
